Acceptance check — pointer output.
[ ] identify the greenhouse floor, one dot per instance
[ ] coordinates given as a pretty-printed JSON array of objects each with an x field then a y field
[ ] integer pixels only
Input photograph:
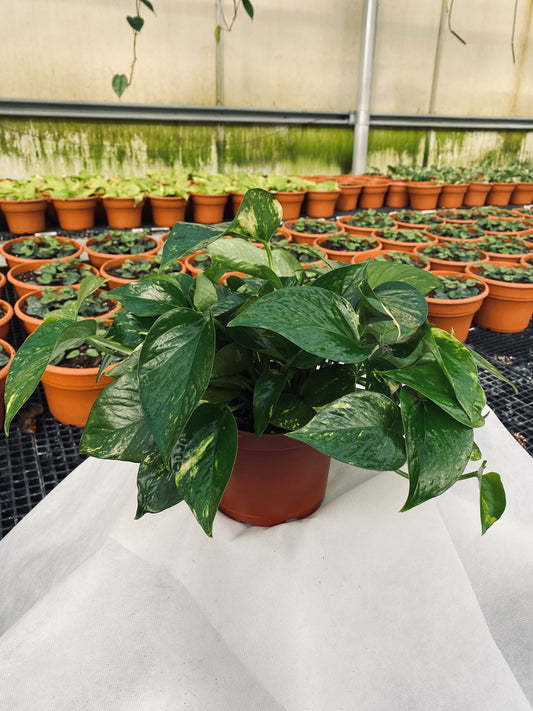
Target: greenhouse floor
[{"x": 33, "y": 463}]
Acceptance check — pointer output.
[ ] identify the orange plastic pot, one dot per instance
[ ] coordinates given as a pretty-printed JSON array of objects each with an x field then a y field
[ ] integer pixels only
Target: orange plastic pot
[
  {"x": 420, "y": 262},
  {"x": 455, "y": 314},
  {"x": 508, "y": 307},
  {"x": 452, "y": 195},
  {"x": 476, "y": 194},
  {"x": 25, "y": 216},
  {"x": 526, "y": 261},
  {"x": 522, "y": 194},
  {"x": 6, "y": 314},
  {"x": 321, "y": 203},
  {"x": 456, "y": 267},
  {"x": 167, "y": 210},
  {"x": 188, "y": 263},
  {"x": 309, "y": 238},
  {"x": 348, "y": 196},
  {"x": 209, "y": 209},
  {"x": 8, "y": 348},
  {"x": 106, "y": 270},
  {"x": 500, "y": 193},
  {"x": 373, "y": 193},
  {"x": 98, "y": 258},
  {"x": 75, "y": 213},
  {"x": 348, "y": 256},
  {"x": 342, "y": 222},
  {"x": 71, "y": 392},
  {"x": 2, "y": 283},
  {"x": 275, "y": 479},
  {"x": 30, "y": 323},
  {"x": 397, "y": 195},
  {"x": 24, "y": 287},
  {"x": 122, "y": 212},
  {"x": 423, "y": 195},
  {"x": 12, "y": 260},
  {"x": 398, "y": 246},
  {"x": 291, "y": 203}
]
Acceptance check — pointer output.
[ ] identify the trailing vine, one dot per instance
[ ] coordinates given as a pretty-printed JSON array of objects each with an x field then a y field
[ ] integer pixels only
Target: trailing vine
[{"x": 121, "y": 82}]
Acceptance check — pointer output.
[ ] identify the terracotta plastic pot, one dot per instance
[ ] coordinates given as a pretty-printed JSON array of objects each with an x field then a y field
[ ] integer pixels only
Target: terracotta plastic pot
[
  {"x": 209, "y": 209},
  {"x": 98, "y": 258},
  {"x": 122, "y": 212},
  {"x": 275, "y": 479},
  {"x": 291, "y": 203},
  {"x": 23, "y": 287},
  {"x": 398, "y": 246},
  {"x": 522, "y": 194},
  {"x": 12, "y": 260},
  {"x": 397, "y": 195},
  {"x": 321, "y": 203},
  {"x": 2, "y": 283},
  {"x": 508, "y": 259},
  {"x": 167, "y": 210},
  {"x": 500, "y": 193},
  {"x": 373, "y": 193},
  {"x": 348, "y": 196},
  {"x": 455, "y": 314},
  {"x": 420, "y": 262},
  {"x": 3, "y": 375},
  {"x": 307, "y": 237},
  {"x": 508, "y": 307},
  {"x": 442, "y": 264},
  {"x": 342, "y": 222},
  {"x": 30, "y": 323},
  {"x": 75, "y": 213},
  {"x": 348, "y": 256},
  {"x": 71, "y": 392},
  {"x": 526, "y": 261},
  {"x": 188, "y": 263},
  {"x": 423, "y": 195},
  {"x": 476, "y": 194},
  {"x": 25, "y": 216},
  {"x": 114, "y": 281},
  {"x": 452, "y": 195},
  {"x": 6, "y": 314}
]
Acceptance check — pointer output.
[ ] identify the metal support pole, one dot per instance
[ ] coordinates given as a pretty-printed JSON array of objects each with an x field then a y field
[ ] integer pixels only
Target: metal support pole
[
  {"x": 364, "y": 88},
  {"x": 219, "y": 58}
]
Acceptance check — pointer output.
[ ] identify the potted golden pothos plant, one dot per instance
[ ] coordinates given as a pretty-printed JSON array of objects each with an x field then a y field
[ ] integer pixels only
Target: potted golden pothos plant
[{"x": 341, "y": 364}]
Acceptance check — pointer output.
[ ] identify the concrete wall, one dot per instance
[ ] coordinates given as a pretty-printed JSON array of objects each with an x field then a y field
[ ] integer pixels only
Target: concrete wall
[{"x": 301, "y": 54}]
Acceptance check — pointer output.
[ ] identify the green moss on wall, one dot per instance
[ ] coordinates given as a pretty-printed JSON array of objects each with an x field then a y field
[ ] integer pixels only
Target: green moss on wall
[{"x": 66, "y": 147}]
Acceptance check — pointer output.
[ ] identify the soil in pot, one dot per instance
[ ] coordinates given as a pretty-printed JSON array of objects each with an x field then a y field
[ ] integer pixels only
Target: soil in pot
[
  {"x": 365, "y": 222},
  {"x": 108, "y": 244},
  {"x": 410, "y": 258},
  {"x": 32, "y": 308},
  {"x": 31, "y": 277},
  {"x": 22, "y": 250},
  {"x": 122, "y": 270}
]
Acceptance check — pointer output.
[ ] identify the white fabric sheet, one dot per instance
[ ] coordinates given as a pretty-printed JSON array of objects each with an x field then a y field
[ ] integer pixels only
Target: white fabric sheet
[{"x": 358, "y": 607}]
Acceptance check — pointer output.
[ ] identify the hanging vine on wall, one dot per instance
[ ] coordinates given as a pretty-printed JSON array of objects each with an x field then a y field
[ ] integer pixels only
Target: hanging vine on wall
[
  {"x": 449, "y": 9},
  {"x": 227, "y": 26},
  {"x": 121, "y": 82}
]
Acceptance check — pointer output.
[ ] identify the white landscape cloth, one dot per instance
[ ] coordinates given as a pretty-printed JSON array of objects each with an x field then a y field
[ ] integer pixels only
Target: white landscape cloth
[{"x": 358, "y": 607}]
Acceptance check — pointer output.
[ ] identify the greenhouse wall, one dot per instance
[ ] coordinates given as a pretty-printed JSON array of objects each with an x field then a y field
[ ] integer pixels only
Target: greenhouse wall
[{"x": 302, "y": 55}]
